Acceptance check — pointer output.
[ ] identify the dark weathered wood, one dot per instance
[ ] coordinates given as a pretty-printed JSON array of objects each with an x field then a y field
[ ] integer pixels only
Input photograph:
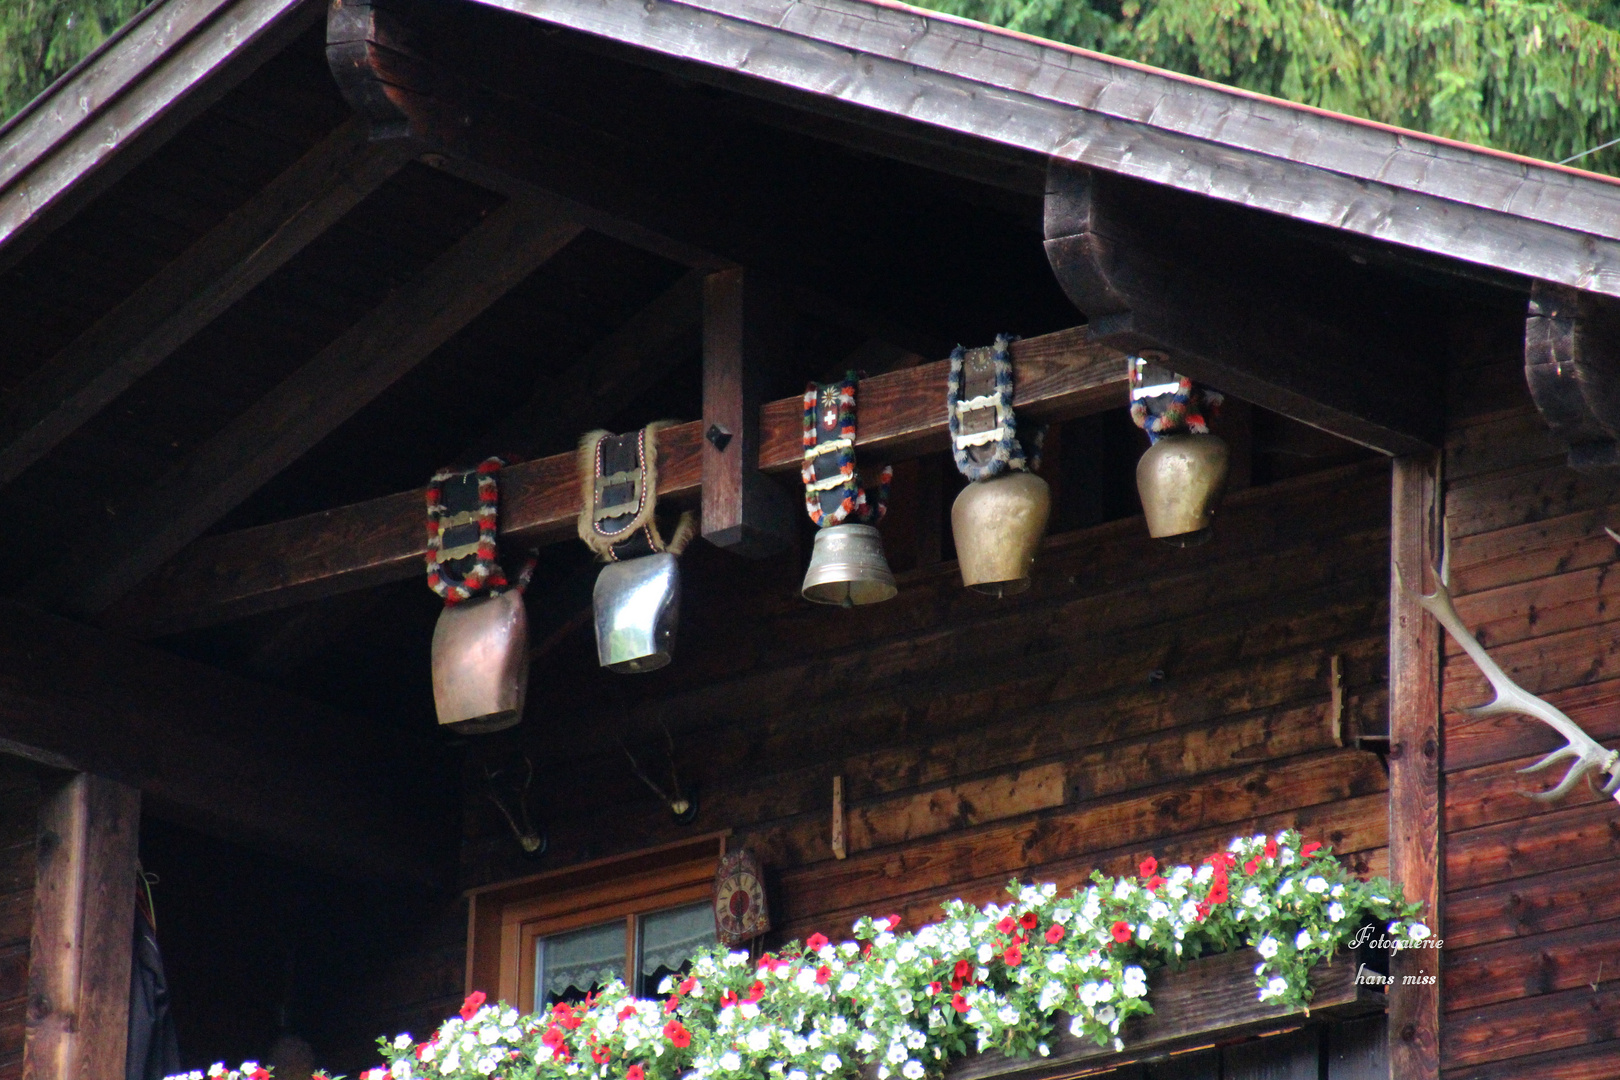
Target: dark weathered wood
[
  {"x": 1208, "y": 1000},
  {"x": 1572, "y": 366},
  {"x": 903, "y": 412},
  {"x": 1324, "y": 357},
  {"x": 1528, "y": 966},
  {"x": 1295, "y": 1055},
  {"x": 166, "y": 312},
  {"x": 1358, "y": 1049},
  {"x": 219, "y": 753},
  {"x": 1415, "y": 845},
  {"x": 84, "y": 921},
  {"x": 373, "y": 50},
  {"x": 1526, "y": 1026},
  {"x": 1592, "y": 1061},
  {"x": 745, "y": 335},
  {"x": 165, "y": 68},
  {"x": 1151, "y": 125},
  {"x": 337, "y": 382},
  {"x": 1556, "y": 900},
  {"x": 1491, "y": 854}
]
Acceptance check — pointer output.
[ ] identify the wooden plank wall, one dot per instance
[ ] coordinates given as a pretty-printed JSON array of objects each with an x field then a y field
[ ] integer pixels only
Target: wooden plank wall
[
  {"x": 1531, "y": 964},
  {"x": 1137, "y": 700},
  {"x": 19, "y": 828}
]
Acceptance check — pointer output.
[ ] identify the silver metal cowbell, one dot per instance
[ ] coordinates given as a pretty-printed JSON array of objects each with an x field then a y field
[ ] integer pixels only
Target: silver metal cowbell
[
  {"x": 637, "y": 604},
  {"x": 847, "y": 567},
  {"x": 481, "y": 663}
]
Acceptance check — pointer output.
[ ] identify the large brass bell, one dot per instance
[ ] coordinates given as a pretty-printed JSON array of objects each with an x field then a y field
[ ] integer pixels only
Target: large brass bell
[
  {"x": 847, "y": 567},
  {"x": 481, "y": 663},
  {"x": 1180, "y": 480},
  {"x": 637, "y": 605},
  {"x": 998, "y": 524}
]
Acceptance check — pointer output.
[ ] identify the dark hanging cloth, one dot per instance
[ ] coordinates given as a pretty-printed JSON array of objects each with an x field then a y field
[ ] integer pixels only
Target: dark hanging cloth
[{"x": 154, "y": 1049}]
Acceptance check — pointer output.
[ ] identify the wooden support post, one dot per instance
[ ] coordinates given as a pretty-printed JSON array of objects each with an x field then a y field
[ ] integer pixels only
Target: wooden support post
[
  {"x": 744, "y": 336},
  {"x": 1415, "y": 857},
  {"x": 84, "y": 932}
]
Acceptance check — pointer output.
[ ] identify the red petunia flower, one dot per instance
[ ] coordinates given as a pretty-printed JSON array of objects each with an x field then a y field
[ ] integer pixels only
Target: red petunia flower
[
  {"x": 957, "y": 983},
  {"x": 823, "y": 973},
  {"x": 1217, "y": 892},
  {"x": 1310, "y": 849},
  {"x": 672, "y": 1003},
  {"x": 601, "y": 1055},
  {"x": 1154, "y": 882},
  {"x": 1006, "y": 925},
  {"x": 471, "y": 1005},
  {"x": 963, "y": 970},
  {"x": 728, "y": 999},
  {"x": 1222, "y": 860},
  {"x": 627, "y": 1012},
  {"x": 933, "y": 989},
  {"x": 1054, "y": 934},
  {"x": 565, "y": 1015},
  {"x": 959, "y": 1003},
  {"x": 1252, "y": 865},
  {"x": 1013, "y": 956},
  {"x": 816, "y": 942},
  {"x": 1149, "y": 867},
  {"x": 686, "y": 986},
  {"x": 677, "y": 1034},
  {"x": 893, "y": 921},
  {"x": 1028, "y": 920},
  {"x": 1271, "y": 848},
  {"x": 755, "y": 992},
  {"x": 261, "y": 1073},
  {"x": 635, "y": 1072},
  {"x": 553, "y": 1037},
  {"x": 1121, "y": 931}
]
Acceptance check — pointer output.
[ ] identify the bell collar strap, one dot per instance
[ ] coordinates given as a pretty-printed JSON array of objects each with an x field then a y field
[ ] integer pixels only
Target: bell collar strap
[
  {"x": 833, "y": 494},
  {"x": 1164, "y": 403},
  {"x": 463, "y": 517},
  {"x": 618, "y": 477},
  {"x": 986, "y": 436}
]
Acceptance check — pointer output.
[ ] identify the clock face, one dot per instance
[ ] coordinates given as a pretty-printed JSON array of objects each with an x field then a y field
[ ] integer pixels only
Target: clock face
[{"x": 739, "y": 900}]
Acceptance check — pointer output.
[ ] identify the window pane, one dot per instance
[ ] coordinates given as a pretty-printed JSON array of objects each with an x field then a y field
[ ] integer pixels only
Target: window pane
[
  {"x": 568, "y": 966},
  {"x": 668, "y": 940}
]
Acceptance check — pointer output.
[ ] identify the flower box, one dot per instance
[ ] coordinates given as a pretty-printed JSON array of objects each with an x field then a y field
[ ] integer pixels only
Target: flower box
[{"x": 1210, "y": 1000}]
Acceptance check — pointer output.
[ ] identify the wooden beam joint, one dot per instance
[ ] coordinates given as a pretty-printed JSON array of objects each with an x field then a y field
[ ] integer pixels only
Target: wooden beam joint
[
  {"x": 1212, "y": 301},
  {"x": 1572, "y": 367}
]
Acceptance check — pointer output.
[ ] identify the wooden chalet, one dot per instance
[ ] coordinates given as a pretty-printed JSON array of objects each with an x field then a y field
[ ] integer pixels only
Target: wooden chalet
[{"x": 266, "y": 265}]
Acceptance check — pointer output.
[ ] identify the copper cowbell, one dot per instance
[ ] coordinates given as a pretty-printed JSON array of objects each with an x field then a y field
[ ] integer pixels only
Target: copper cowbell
[
  {"x": 847, "y": 567},
  {"x": 481, "y": 663},
  {"x": 1180, "y": 480},
  {"x": 997, "y": 525},
  {"x": 637, "y": 605}
]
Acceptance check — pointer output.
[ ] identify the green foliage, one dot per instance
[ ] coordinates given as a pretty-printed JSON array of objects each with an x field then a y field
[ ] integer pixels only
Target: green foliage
[
  {"x": 41, "y": 39},
  {"x": 1537, "y": 77}
]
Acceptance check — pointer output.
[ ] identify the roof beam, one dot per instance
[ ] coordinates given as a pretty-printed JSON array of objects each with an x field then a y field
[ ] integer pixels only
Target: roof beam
[
  {"x": 155, "y": 524},
  {"x": 1293, "y": 331},
  {"x": 154, "y": 75},
  {"x": 185, "y": 296},
  {"x": 222, "y": 754},
  {"x": 954, "y": 78},
  {"x": 1059, "y": 376}
]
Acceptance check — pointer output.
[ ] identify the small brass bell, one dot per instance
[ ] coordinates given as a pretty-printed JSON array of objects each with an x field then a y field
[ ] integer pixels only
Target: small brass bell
[
  {"x": 637, "y": 605},
  {"x": 481, "y": 663},
  {"x": 1180, "y": 480},
  {"x": 998, "y": 524},
  {"x": 847, "y": 567}
]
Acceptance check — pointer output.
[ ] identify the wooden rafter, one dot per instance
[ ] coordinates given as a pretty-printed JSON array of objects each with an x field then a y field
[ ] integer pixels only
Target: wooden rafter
[
  {"x": 902, "y": 414},
  {"x": 225, "y": 755},
  {"x": 193, "y": 290},
  {"x": 311, "y": 403}
]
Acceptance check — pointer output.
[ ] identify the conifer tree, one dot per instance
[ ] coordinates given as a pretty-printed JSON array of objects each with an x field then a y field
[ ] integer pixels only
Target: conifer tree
[{"x": 41, "y": 39}]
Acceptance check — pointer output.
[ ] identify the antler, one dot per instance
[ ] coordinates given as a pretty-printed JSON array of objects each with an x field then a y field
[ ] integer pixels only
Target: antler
[{"x": 1510, "y": 697}]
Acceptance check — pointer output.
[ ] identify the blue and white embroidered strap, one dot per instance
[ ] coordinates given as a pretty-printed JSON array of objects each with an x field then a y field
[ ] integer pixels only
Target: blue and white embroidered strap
[{"x": 986, "y": 439}]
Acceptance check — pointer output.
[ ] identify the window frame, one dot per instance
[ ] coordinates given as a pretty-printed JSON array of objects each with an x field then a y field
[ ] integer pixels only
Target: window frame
[{"x": 505, "y": 920}]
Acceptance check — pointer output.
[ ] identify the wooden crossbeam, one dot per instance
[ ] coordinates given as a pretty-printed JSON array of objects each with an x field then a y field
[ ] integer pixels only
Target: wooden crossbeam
[
  {"x": 185, "y": 296},
  {"x": 224, "y": 755},
  {"x": 902, "y": 414},
  {"x": 366, "y": 359}
]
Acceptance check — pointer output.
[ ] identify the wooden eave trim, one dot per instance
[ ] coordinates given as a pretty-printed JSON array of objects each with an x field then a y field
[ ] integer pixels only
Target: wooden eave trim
[
  {"x": 1496, "y": 210},
  {"x": 165, "y": 67},
  {"x": 583, "y": 875}
]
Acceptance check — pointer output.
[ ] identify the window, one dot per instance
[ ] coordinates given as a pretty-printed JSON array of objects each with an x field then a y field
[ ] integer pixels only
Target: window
[{"x": 559, "y": 936}]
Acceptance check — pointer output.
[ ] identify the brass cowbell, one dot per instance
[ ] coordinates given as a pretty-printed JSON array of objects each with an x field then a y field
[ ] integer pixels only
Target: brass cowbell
[
  {"x": 847, "y": 567},
  {"x": 1180, "y": 480},
  {"x": 998, "y": 524}
]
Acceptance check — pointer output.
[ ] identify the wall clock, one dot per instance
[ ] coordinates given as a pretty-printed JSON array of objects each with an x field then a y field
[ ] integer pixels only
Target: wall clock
[{"x": 740, "y": 912}]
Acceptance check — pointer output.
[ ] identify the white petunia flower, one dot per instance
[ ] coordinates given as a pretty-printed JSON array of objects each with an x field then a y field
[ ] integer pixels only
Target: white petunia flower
[
  {"x": 758, "y": 1040},
  {"x": 912, "y": 1070},
  {"x": 1302, "y": 940},
  {"x": 1314, "y": 884},
  {"x": 1267, "y": 947},
  {"x": 730, "y": 1060},
  {"x": 1418, "y": 932},
  {"x": 1335, "y": 911},
  {"x": 831, "y": 1063}
]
